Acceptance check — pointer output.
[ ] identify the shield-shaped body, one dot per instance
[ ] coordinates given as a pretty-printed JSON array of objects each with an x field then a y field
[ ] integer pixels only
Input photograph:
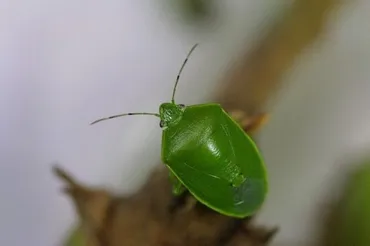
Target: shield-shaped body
[{"x": 215, "y": 160}]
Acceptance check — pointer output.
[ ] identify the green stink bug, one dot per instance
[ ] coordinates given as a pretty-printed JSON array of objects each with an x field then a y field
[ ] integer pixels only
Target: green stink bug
[{"x": 210, "y": 155}]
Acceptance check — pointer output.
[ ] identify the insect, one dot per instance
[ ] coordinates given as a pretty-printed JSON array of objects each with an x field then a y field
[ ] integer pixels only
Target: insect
[{"x": 209, "y": 154}]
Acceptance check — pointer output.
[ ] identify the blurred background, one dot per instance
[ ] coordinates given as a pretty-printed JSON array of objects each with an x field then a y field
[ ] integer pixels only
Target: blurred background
[{"x": 65, "y": 63}]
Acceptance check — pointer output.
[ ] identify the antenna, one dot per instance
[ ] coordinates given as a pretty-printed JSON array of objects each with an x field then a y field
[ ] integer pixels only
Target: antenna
[
  {"x": 182, "y": 67},
  {"x": 121, "y": 115}
]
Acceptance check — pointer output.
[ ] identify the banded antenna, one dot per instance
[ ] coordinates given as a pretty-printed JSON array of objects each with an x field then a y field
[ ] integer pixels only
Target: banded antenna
[
  {"x": 154, "y": 114},
  {"x": 121, "y": 115},
  {"x": 179, "y": 74}
]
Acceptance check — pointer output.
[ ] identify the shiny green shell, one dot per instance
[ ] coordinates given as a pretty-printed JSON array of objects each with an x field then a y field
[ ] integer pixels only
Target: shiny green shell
[{"x": 209, "y": 153}]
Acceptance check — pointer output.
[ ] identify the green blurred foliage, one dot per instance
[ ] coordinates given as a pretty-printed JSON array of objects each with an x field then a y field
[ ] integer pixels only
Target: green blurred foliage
[
  {"x": 76, "y": 238},
  {"x": 194, "y": 10},
  {"x": 350, "y": 223}
]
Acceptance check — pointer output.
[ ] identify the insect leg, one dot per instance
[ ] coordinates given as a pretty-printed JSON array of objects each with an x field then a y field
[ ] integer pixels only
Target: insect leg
[
  {"x": 177, "y": 187},
  {"x": 180, "y": 199}
]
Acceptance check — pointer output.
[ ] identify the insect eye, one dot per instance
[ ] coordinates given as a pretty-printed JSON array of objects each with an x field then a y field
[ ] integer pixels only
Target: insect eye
[{"x": 161, "y": 124}]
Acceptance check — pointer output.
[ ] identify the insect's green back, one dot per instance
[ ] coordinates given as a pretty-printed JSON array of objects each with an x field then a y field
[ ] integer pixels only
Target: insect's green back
[{"x": 207, "y": 150}]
